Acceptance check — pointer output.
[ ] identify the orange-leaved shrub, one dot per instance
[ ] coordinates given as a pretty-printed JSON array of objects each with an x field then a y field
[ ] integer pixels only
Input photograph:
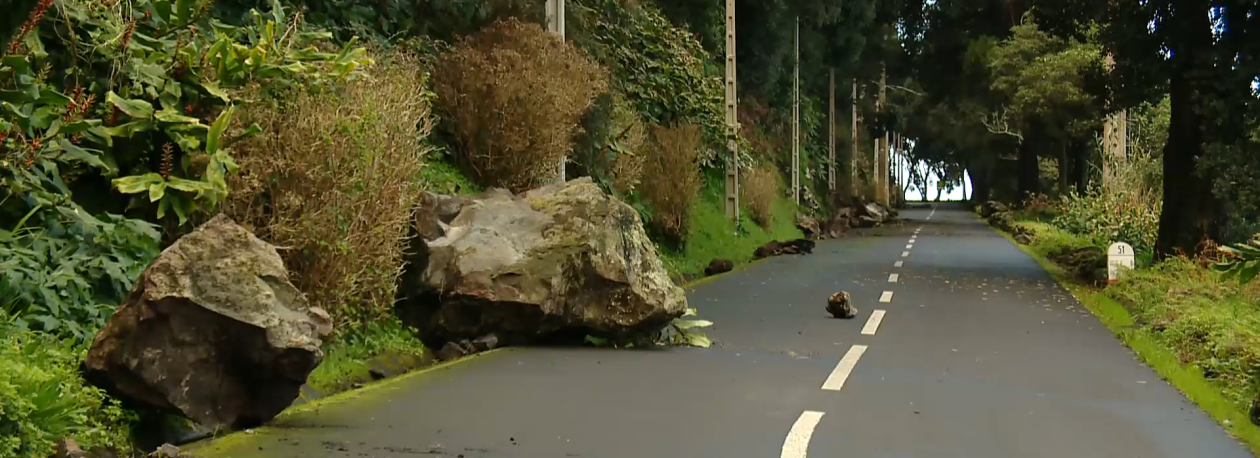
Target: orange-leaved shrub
[
  {"x": 332, "y": 180},
  {"x": 671, "y": 177},
  {"x": 513, "y": 96},
  {"x": 760, "y": 188}
]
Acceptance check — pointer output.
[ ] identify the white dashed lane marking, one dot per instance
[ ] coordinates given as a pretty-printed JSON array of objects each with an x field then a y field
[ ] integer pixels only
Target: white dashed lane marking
[
  {"x": 899, "y": 263},
  {"x": 841, "y": 373},
  {"x": 905, "y": 254},
  {"x": 797, "y": 443},
  {"x": 909, "y": 246},
  {"x": 892, "y": 278},
  {"x": 872, "y": 323},
  {"x": 886, "y": 297}
]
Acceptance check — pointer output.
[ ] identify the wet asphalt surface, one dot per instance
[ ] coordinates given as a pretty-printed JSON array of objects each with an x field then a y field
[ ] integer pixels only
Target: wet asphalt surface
[{"x": 980, "y": 355}]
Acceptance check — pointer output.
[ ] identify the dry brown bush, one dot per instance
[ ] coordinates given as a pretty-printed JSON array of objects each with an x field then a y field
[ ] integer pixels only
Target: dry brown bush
[
  {"x": 759, "y": 190},
  {"x": 332, "y": 180},
  {"x": 671, "y": 177},
  {"x": 513, "y": 96}
]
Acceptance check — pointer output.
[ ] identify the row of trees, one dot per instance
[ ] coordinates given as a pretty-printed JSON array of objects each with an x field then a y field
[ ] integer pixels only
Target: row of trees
[{"x": 1016, "y": 94}]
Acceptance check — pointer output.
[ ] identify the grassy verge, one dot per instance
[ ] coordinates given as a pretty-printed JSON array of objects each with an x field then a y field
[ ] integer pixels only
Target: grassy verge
[
  {"x": 713, "y": 236},
  {"x": 349, "y": 359},
  {"x": 1199, "y": 334}
]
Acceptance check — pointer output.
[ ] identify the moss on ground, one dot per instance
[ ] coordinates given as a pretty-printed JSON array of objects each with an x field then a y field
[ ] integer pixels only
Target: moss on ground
[
  {"x": 346, "y": 358},
  {"x": 1198, "y": 333}
]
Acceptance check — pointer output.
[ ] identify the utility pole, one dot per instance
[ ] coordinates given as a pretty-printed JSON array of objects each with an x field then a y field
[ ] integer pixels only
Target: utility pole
[
  {"x": 732, "y": 122},
  {"x": 882, "y": 197},
  {"x": 555, "y": 24},
  {"x": 853, "y": 155},
  {"x": 796, "y": 114},
  {"x": 831, "y": 133}
]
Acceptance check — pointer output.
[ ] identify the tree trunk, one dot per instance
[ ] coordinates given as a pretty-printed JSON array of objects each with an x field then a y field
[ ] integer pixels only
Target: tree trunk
[
  {"x": 1029, "y": 175},
  {"x": 1080, "y": 165},
  {"x": 980, "y": 185},
  {"x": 1190, "y": 208},
  {"x": 1189, "y": 215},
  {"x": 1065, "y": 168}
]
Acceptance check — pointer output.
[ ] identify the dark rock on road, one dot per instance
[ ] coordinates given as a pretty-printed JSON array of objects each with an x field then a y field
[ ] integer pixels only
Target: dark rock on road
[
  {"x": 840, "y": 305},
  {"x": 719, "y": 266},
  {"x": 213, "y": 331},
  {"x": 771, "y": 248}
]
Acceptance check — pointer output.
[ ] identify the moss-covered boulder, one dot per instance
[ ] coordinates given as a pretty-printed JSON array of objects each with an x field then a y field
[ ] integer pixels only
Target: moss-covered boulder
[{"x": 563, "y": 261}]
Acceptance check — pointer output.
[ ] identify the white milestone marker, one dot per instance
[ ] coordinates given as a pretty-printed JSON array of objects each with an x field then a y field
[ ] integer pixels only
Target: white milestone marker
[
  {"x": 841, "y": 373},
  {"x": 886, "y": 297},
  {"x": 892, "y": 278},
  {"x": 872, "y": 324},
  {"x": 1119, "y": 259}
]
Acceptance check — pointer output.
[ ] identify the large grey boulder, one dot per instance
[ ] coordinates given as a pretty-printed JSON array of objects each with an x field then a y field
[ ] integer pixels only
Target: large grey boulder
[
  {"x": 872, "y": 211},
  {"x": 213, "y": 330},
  {"x": 808, "y": 226},
  {"x": 992, "y": 207},
  {"x": 563, "y": 261}
]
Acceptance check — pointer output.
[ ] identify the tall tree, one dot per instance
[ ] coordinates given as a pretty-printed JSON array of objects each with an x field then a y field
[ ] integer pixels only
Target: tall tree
[{"x": 1202, "y": 53}]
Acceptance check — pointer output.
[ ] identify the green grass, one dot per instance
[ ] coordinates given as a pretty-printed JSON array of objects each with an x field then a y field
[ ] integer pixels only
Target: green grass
[
  {"x": 713, "y": 236},
  {"x": 1196, "y": 332},
  {"x": 1051, "y": 240},
  {"x": 346, "y": 358},
  {"x": 441, "y": 176}
]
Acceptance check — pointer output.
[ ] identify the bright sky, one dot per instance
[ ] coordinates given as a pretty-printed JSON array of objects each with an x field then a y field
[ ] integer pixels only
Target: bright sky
[{"x": 956, "y": 194}]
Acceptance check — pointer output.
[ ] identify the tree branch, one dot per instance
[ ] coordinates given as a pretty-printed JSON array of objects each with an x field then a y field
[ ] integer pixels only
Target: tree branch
[{"x": 999, "y": 123}]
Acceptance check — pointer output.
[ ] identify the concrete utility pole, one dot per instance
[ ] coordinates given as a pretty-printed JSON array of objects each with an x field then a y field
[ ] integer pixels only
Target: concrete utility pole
[
  {"x": 831, "y": 133},
  {"x": 796, "y": 114},
  {"x": 555, "y": 24},
  {"x": 882, "y": 188},
  {"x": 875, "y": 180},
  {"x": 853, "y": 155},
  {"x": 732, "y": 121}
]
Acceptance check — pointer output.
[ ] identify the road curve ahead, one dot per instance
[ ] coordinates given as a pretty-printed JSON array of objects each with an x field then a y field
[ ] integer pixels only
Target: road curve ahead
[{"x": 963, "y": 347}]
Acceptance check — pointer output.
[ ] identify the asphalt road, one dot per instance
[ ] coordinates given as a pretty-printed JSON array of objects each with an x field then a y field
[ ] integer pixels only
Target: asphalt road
[{"x": 979, "y": 354}]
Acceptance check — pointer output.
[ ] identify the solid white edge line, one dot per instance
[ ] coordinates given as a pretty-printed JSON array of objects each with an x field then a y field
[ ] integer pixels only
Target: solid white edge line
[
  {"x": 841, "y": 373},
  {"x": 886, "y": 297},
  {"x": 892, "y": 278},
  {"x": 796, "y": 445},
  {"x": 872, "y": 323},
  {"x": 899, "y": 263}
]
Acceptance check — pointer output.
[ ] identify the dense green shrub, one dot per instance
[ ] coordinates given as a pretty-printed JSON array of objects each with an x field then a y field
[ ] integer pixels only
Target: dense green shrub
[
  {"x": 659, "y": 67},
  {"x": 43, "y": 399},
  {"x": 133, "y": 98},
  {"x": 513, "y": 95},
  {"x": 1110, "y": 218},
  {"x": 611, "y": 148},
  {"x": 68, "y": 276},
  {"x": 333, "y": 178}
]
